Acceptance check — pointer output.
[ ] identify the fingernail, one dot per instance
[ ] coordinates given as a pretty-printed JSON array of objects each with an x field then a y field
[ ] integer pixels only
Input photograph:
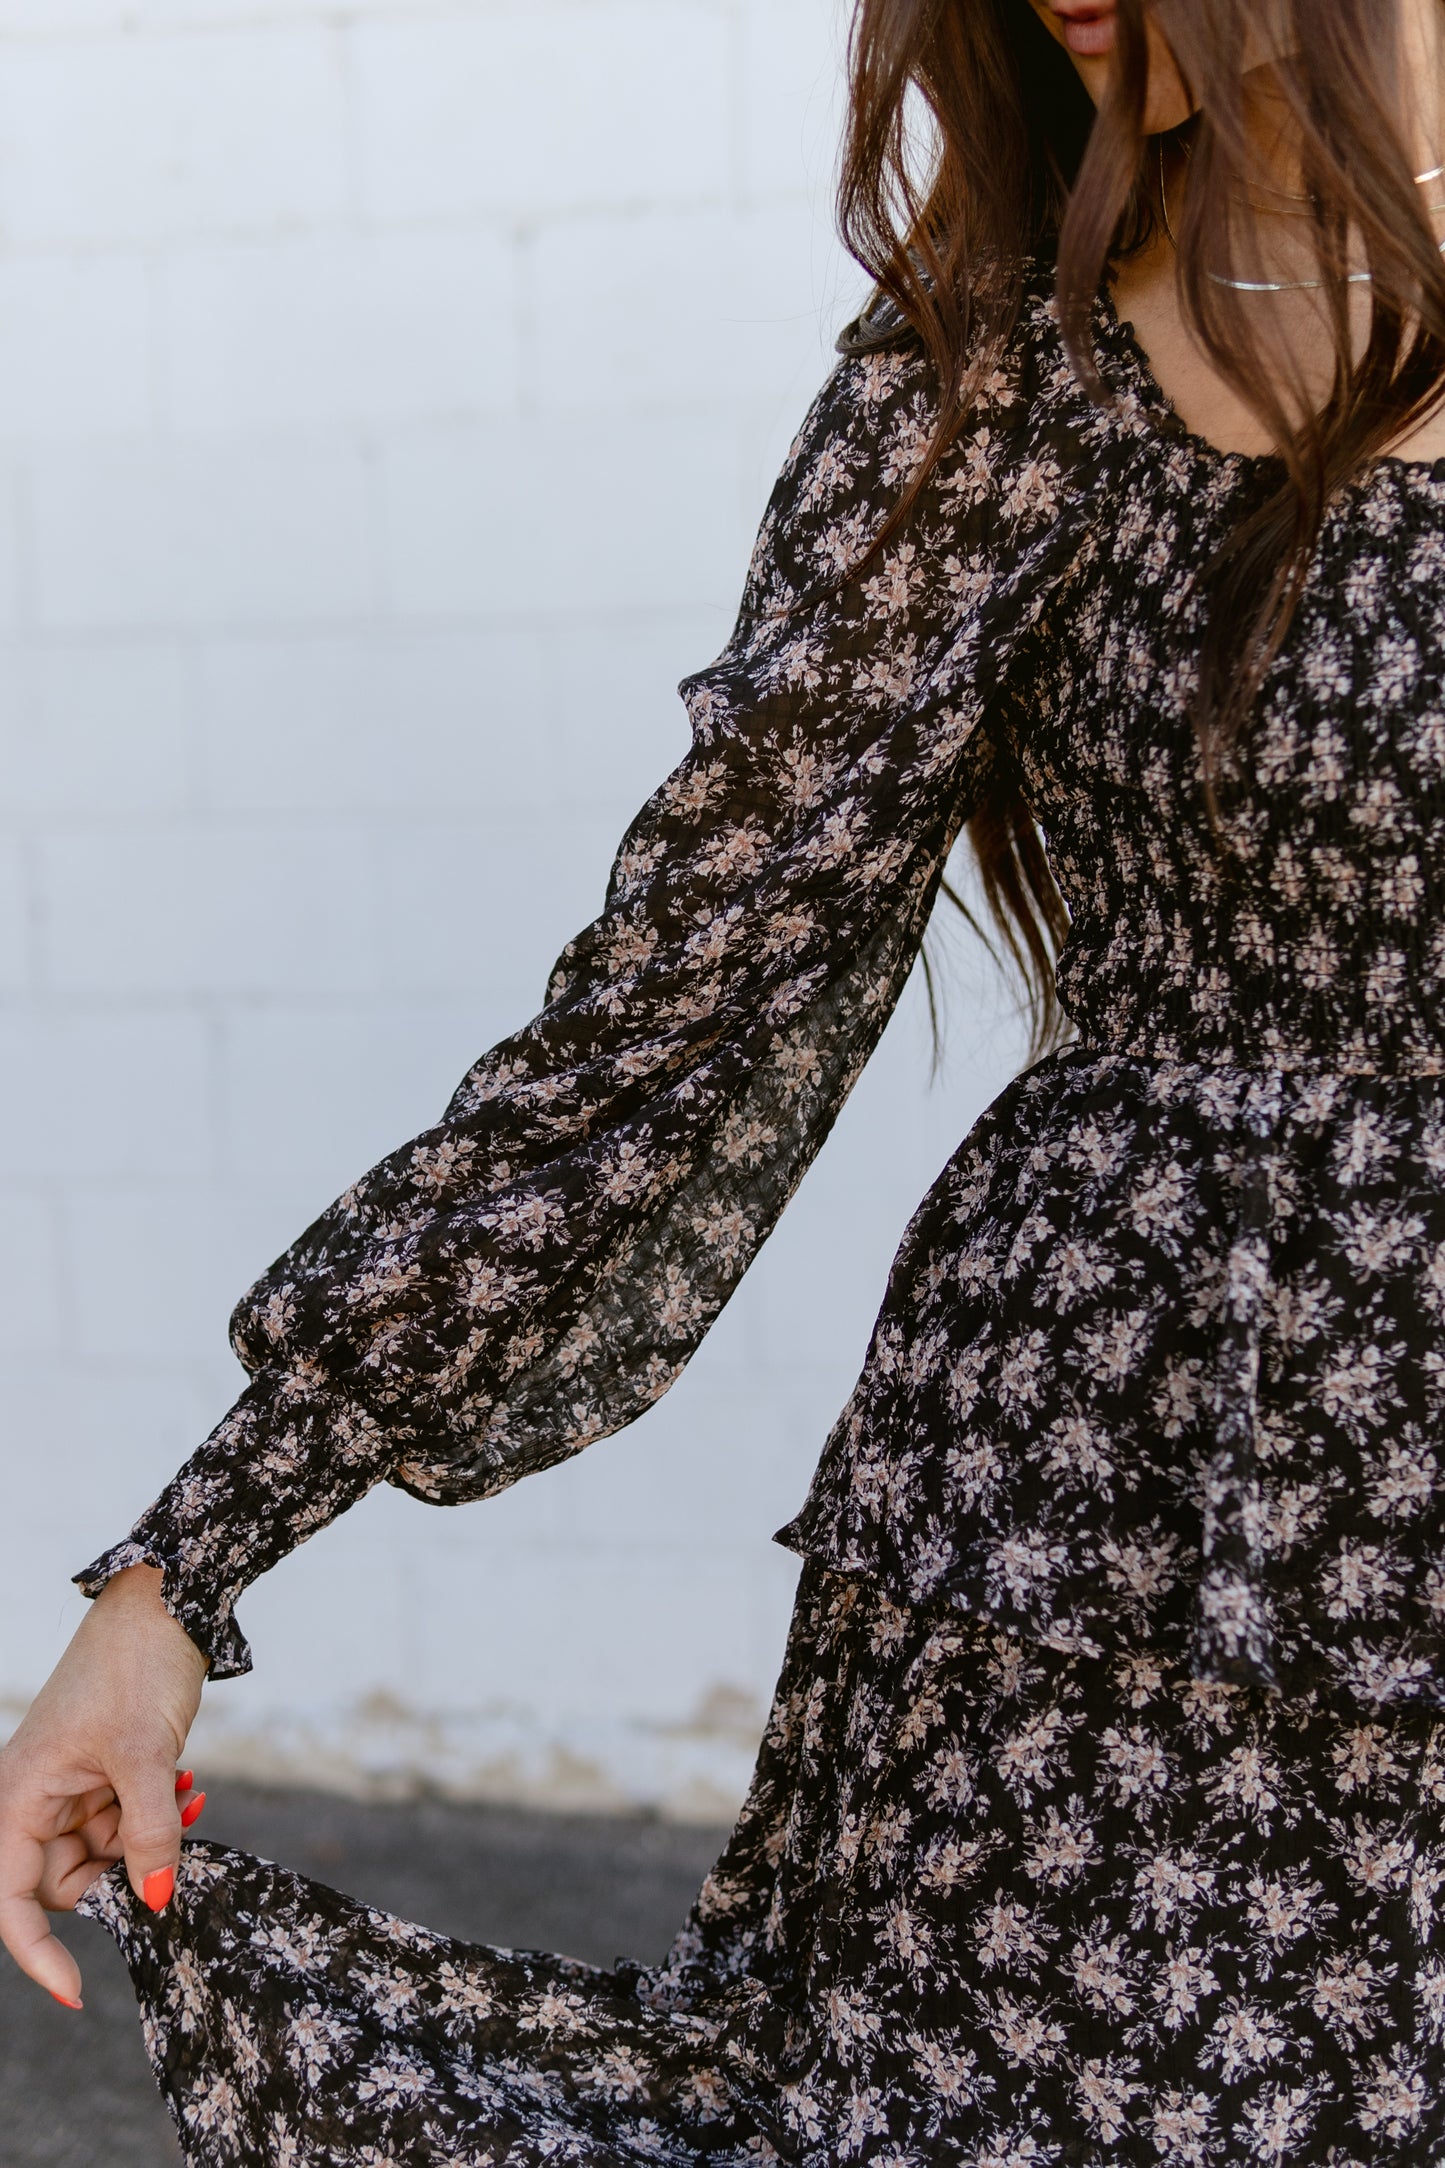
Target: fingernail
[
  {"x": 156, "y": 1888},
  {"x": 193, "y": 1812},
  {"x": 185, "y": 1780},
  {"x": 64, "y": 2000}
]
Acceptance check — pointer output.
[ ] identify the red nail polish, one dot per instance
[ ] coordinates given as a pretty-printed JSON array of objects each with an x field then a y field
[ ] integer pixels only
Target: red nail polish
[
  {"x": 185, "y": 1780},
  {"x": 193, "y": 1812},
  {"x": 64, "y": 2000},
  {"x": 156, "y": 1888}
]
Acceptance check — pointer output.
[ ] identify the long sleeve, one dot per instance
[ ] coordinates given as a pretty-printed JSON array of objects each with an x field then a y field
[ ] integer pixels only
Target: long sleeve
[{"x": 532, "y": 1272}]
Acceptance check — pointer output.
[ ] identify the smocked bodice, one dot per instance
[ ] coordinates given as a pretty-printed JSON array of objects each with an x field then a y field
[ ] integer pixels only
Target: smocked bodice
[
  {"x": 1319, "y": 940},
  {"x": 1159, "y": 1352}
]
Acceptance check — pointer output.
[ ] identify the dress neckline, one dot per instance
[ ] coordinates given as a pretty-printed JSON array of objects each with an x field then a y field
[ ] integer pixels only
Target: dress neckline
[{"x": 1171, "y": 427}]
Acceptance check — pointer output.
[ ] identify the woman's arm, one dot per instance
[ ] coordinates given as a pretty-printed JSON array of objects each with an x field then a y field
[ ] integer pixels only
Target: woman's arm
[{"x": 530, "y": 1273}]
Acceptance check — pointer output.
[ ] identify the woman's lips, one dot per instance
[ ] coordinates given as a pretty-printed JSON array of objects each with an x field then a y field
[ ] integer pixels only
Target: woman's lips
[{"x": 1088, "y": 31}]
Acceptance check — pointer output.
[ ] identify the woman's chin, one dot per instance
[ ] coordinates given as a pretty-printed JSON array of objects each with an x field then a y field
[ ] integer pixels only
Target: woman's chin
[{"x": 1169, "y": 106}]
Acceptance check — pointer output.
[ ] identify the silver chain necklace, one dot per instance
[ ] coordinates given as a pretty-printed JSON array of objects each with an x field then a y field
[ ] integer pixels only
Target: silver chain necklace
[{"x": 1285, "y": 286}]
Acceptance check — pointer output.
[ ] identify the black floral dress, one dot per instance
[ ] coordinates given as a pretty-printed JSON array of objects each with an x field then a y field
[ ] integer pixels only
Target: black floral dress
[{"x": 1101, "y": 1813}]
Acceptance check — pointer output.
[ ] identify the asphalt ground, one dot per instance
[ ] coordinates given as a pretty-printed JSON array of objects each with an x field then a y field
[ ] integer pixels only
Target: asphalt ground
[{"x": 76, "y": 2090}]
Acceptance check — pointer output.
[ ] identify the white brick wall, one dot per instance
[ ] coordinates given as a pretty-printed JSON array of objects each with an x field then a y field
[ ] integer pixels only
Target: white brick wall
[{"x": 388, "y": 393}]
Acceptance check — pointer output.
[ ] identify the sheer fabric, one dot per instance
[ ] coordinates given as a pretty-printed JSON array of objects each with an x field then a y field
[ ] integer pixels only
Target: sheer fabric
[
  {"x": 532, "y": 1272},
  {"x": 1101, "y": 1817}
]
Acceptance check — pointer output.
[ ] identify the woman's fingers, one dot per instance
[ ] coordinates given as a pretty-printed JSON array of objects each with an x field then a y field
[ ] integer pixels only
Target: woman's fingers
[
  {"x": 101, "y": 1835},
  {"x": 71, "y": 1865},
  {"x": 150, "y": 1827},
  {"x": 91, "y": 1841},
  {"x": 24, "y": 1928},
  {"x": 88, "y": 1807}
]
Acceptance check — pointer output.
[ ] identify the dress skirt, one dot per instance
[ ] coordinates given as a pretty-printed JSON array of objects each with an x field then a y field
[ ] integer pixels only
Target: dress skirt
[{"x": 988, "y": 1904}]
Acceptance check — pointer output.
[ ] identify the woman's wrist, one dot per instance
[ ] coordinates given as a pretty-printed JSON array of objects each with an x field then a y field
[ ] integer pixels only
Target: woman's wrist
[{"x": 136, "y": 1596}]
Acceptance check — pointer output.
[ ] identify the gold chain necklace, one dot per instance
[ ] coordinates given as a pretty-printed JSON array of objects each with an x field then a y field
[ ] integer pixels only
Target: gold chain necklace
[{"x": 1285, "y": 286}]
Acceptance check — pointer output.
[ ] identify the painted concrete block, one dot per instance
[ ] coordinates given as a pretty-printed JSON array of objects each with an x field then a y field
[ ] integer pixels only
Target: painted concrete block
[
  {"x": 191, "y": 913},
  {"x": 95, "y": 1094},
  {"x": 32, "y": 1308},
  {"x": 313, "y": 1095},
  {"x": 98, "y": 730},
  {"x": 160, "y": 536},
  {"x": 606, "y": 1628},
  {"x": 398, "y": 724},
  {"x": 10, "y": 573},
  {"x": 17, "y": 929},
  {"x": 99, "y": 1445},
  {"x": 152, "y": 1272},
  {"x": 334, "y": 1611},
  {"x": 323, "y": 328},
  {"x": 487, "y": 909},
  {"x": 75, "y": 346},
  {"x": 681, "y": 306},
  {"x": 123, "y": 138},
  {"x": 619, "y": 723},
  {"x": 722, "y": 1433},
  {"x": 792, "y": 79},
  {"x": 633, "y": 515},
  {"x": 52, "y": 18},
  {"x": 534, "y": 106}
]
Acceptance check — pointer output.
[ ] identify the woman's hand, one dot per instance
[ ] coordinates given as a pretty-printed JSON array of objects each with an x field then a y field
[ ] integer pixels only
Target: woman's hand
[{"x": 90, "y": 1776}]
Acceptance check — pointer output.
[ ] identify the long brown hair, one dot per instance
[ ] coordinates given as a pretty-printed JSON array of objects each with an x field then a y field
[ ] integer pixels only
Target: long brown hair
[{"x": 972, "y": 147}]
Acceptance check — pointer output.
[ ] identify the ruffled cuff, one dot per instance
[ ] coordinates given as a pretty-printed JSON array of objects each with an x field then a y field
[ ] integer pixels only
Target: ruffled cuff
[
  {"x": 293, "y": 1454},
  {"x": 208, "y": 1620}
]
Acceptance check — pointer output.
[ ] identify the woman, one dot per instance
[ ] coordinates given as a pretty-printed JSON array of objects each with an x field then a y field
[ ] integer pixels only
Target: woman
[{"x": 1101, "y": 1815}]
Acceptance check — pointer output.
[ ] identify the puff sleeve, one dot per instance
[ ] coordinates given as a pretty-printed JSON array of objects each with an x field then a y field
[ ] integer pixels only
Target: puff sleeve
[{"x": 530, "y": 1273}]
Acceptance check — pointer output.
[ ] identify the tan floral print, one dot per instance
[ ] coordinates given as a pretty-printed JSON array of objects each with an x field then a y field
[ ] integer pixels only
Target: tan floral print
[{"x": 1101, "y": 1817}]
